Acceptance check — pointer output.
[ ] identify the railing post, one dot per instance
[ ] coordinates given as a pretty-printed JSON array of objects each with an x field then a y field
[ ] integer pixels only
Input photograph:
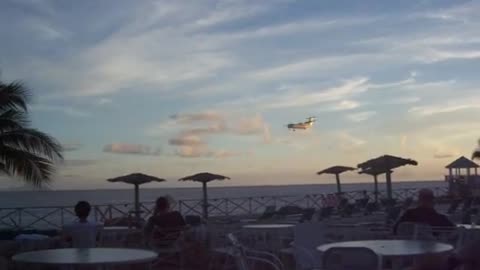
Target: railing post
[
  {"x": 250, "y": 206},
  {"x": 95, "y": 213},
  {"x": 62, "y": 218},
  {"x": 19, "y": 225},
  {"x": 180, "y": 206},
  {"x": 226, "y": 207}
]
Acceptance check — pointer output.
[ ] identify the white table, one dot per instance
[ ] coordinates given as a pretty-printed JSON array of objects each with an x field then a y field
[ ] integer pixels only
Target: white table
[
  {"x": 395, "y": 248},
  {"x": 270, "y": 235},
  {"x": 87, "y": 256},
  {"x": 469, "y": 226}
]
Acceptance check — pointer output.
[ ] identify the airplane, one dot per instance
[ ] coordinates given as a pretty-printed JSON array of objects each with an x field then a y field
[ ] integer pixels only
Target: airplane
[{"x": 304, "y": 125}]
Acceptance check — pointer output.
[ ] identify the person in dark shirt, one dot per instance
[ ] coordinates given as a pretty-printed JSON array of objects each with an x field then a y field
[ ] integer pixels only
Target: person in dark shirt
[
  {"x": 164, "y": 226},
  {"x": 425, "y": 212}
]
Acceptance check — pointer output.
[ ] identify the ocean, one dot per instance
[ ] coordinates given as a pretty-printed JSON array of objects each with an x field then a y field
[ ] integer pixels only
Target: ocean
[{"x": 46, "y": 198}]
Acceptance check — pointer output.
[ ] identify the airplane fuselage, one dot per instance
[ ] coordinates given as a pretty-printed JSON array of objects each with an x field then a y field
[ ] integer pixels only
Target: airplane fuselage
[{"x": 300, "y": 125}]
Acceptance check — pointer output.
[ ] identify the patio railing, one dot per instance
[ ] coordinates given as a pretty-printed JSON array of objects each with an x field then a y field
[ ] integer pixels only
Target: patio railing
[{"x": 55, "y": 217}]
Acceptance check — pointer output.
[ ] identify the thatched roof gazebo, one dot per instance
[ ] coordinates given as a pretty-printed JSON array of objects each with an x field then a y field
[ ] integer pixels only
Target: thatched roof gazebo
[
  {"x": 385, "y": 164},
  {"x": 136, "y": 179},
  {"x": 336, "y": 170},
  {"x": 204, "y": 178},
  {"x": 375, "y": 173}
]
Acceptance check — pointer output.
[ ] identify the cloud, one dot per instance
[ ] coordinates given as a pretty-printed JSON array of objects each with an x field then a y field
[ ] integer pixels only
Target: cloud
[
  {"x": 345, "y": 105},
  {"x": 453, "y": 106},
  {"x": 296, "y": 98},
  {"x": 67, "y": 147},
  {"x": 249, "y": 125},
  {"x": 187, "y": 140},
  {"x": 349, "y": 143},
  {"x": 188, "y": 118},
  {"x": 128, "y": 148},
  {"x": 434, "y": 55},
  {"x": 203, "y": 151},
  {"x": 190, "y": 140},
  {"x": 361, "y": 116}
]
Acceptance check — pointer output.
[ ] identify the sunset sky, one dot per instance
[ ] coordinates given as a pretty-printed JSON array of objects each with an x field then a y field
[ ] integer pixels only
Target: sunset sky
[{"x": 171, "y": 88}]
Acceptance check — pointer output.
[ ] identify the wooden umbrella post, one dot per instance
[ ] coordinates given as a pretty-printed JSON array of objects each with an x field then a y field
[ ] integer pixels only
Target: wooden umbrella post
[
  {"x": 339, "y": 186},
  {"x": 388, "y": 177},
  {"x": 205, "y": 200}
]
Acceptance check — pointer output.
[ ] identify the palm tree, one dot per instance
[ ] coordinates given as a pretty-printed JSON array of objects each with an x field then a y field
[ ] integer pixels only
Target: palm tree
[{"x": 24, "y": 151}]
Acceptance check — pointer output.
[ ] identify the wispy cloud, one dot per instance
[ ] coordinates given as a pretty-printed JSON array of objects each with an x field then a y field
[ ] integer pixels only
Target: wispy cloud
[
  {"x": 453, "y": 105},
  {"x": 129, "y": 148},
  {"x": 299, "y": 98},
  {"x": 193, "y": 129},
  {"x": 361, "y": 116},
  {"x": 348, "y": 142},
  {"x": 345, "y": 105}
]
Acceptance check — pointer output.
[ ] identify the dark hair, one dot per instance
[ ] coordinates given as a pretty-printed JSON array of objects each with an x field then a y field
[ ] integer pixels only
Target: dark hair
[
  {"x": 161, "y": 204},
  {"x": 82, "y": 209}
]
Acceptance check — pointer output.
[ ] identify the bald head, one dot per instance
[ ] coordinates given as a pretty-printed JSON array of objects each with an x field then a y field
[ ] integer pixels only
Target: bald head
[{"x": 426, "y": 197}]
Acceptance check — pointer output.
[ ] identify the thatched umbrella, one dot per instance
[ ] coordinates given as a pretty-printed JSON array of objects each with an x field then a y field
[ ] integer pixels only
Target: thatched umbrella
[
  {"x": 204, "y": 178},
  {"x": 337, "y": 170},
  {"x": 136, "y": 179},
  {"x": 375, "y": 174},
  {"x": 385, "y": 164}
]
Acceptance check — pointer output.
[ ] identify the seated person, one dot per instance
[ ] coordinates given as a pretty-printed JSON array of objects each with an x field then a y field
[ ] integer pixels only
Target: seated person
[
  {"x": 425, "y": 212},
  {"x": 164, "y": 226},
  {"x": 82, "y": 233}
]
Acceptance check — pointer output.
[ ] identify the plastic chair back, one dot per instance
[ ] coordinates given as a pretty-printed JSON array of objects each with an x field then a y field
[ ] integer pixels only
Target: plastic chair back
[
  {"x": 351, "y": 259},
  {"x": 307, "y": 237}
]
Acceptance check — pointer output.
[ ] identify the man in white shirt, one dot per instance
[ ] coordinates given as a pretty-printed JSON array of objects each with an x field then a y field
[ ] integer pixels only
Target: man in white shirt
[{"x": 82, "y": 233}]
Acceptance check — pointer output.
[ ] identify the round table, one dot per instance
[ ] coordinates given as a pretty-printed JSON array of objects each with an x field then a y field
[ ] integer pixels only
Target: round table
[
  {"x": 87, "y": 256},
  {"x": 394, "y": 248},
  {"x": 268, "y": 236}
]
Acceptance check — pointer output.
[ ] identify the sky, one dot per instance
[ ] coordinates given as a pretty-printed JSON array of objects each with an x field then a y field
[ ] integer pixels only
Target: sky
[{"x": 171, "y": 88}]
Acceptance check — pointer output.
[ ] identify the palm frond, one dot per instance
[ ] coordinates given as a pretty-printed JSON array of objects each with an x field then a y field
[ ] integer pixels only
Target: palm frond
[
  {"x": 35, "y": 170},
  {"x": 13, "y": 95},
  {"x": 33, "y": 141},
  {"x": 12, "y": 119}
]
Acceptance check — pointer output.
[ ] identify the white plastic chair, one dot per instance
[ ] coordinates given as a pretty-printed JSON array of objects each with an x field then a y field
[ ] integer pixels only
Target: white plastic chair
[
  {"x": 307, "y": 237},
  {"x": 352, "y": 258},
  {"x": 245, "y": 259}
]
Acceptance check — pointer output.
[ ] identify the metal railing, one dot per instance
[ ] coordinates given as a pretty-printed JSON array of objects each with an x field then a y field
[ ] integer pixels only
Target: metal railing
[{"x": 56, "y": 217}]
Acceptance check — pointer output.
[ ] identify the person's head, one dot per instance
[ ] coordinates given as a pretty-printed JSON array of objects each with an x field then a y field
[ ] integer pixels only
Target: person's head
[
  {"x": 82, "y": 209},
  {"x": 426, "y": 198},
  {"x": 162, "y": 205}
]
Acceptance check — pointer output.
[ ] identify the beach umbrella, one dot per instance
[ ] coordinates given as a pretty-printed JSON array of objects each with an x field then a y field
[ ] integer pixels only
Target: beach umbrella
[
  {"x": 204, "y": 178},
  {"x": 375, "y": 174},
  {"x": 136, "y": 179},
  {"x": 337, "y": 170},
  {"x": 385, "y": 164}
]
